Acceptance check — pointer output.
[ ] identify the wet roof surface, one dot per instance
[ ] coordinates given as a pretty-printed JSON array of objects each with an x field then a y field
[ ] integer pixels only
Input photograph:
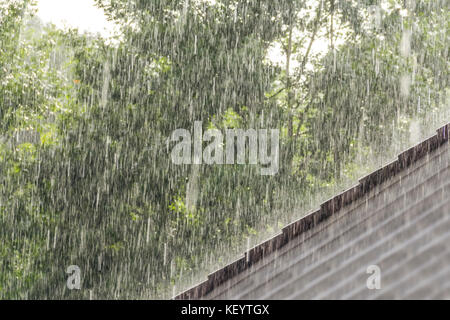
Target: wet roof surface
[{"x": 397, "y": 218}]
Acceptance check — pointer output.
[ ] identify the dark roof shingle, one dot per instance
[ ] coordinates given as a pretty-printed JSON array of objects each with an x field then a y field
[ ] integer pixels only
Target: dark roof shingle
[{"x": 397, "y": 218}]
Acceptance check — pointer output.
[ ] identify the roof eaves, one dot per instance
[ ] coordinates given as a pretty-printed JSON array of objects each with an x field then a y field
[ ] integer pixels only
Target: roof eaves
[{"x": 327, "y": 209}]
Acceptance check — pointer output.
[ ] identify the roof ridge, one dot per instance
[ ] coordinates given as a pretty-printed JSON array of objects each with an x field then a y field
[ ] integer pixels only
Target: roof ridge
[{"x": 326, "y": 210}]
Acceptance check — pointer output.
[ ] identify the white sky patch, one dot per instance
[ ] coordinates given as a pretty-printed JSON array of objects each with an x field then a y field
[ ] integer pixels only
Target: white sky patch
[
  {"x": 81, "y": 14},
  {"x": 320, "y": 47}
]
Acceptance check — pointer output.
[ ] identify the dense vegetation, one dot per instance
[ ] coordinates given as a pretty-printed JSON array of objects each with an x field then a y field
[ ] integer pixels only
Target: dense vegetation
[{"x": 86, "y": 176}]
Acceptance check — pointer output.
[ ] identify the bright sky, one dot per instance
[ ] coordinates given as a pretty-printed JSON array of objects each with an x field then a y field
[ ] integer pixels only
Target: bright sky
[
  {"x": 81, "y": 14},
  {"x": 85, "y": 16}
]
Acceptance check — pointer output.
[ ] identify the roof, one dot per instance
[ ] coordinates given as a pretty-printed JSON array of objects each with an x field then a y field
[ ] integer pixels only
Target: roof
[{"x": 396, "y": 218}]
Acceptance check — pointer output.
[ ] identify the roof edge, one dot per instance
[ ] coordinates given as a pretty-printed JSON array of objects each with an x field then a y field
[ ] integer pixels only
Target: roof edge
[{"x": 327, "y": 209}]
